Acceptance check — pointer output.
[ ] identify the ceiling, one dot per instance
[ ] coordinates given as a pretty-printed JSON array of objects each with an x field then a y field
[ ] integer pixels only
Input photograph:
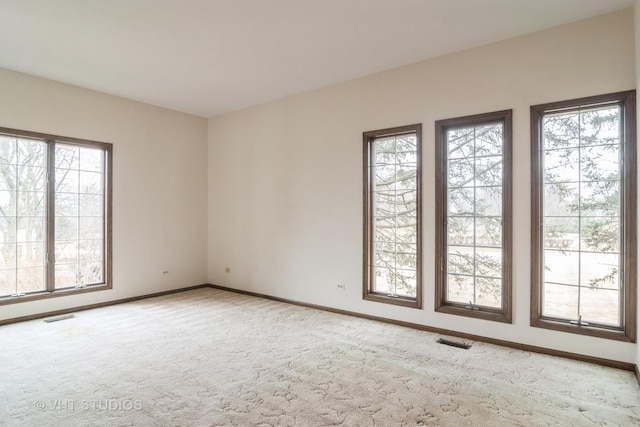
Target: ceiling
[{"x": 207, "y": 57}]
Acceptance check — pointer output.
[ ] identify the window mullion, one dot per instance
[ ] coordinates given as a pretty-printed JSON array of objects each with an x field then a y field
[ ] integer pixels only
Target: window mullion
[{"x": 51, "y": 217}]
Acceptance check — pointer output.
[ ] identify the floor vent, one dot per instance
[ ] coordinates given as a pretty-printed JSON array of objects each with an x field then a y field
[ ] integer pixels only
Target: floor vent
[
  {"x": 454, "y": 344},
  {"x": 57, "y": 319}
]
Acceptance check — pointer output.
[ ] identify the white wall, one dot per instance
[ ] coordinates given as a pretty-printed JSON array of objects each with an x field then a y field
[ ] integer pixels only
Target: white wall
[
  {"x": 159, "y": 183},
  {"x": 285, "y": 178}
]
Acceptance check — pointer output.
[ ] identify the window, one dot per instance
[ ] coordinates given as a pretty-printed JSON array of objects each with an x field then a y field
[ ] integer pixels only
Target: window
[
  {"x": 392, "y": 216},
  {"x": 55, "y": 215},
  {"x": 473, "y": 214},
  {"x": 584, "y": 216}
]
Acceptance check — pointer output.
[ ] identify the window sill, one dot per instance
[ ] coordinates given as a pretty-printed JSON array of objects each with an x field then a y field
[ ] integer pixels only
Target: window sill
[
  {"x": 35, "y": 296},
  {"x": 593, "y": 331},
  {"x": 386, "y": 299},
  {"x": 481, "y": 313}
]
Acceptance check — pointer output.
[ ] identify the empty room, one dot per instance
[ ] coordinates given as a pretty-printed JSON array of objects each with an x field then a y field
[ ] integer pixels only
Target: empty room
[{"x": 308, "y": 213}]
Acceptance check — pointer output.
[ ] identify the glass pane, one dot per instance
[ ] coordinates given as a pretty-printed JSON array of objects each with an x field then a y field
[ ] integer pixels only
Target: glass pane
[
  {"x": 600, "y": 126},
  {"x": 8, "y": 202},
  {"x": 561, "y": 267},
  {"x": 91, "y": 227},
  {"x": 489, "y": 140},
  {"x": 8, "y": 177},
  {"x": 31, "y": 229},
  {"x": 67, "y": 181},
  {"x": 66, "y": 275},
  {"x": 600, "y": 198},
  {"x": 461, "y": 173},
  {"x": 599, "y": 270},
  {"x": 406, "y": 256},
  {"x": 562, "y": 233},
  {"x": 601, "y": 162},
  {"x": 91, "y": 182},
  {"x": 91, "y": 159},
  {"x": 8, "y": 282},
  {"x": 489, "y": 171},
  {"x": 460, "y": 230},
  {"x": 31, "y": 204},
  {"x": 600, "y": 234},
  {"x": 460, "y": 143},
  {"x": 31, "y": 153},
  {"x": 31, "y": 178},
  {"x": 67, "y": 157},
  {"x": 90, "y": 205},
  {"x": 384, "y": 280},
  {"x": 561, "y": 165},
  {"x": 489, "y": 201},
  {"x": 66, "y": 228},
  {"x": 461, "y": 201},
  {"x": 489, "y": 262},
  {"x": 561, "y": 199},
  {"x": 460, "y": 259},
  {"x": 8, "y": 150},
  {"x": 405, "y": 282},
  {"x": 67, "y": 204},
  {"x": 90, "y": 273},
  {"x": 561, "y": 131},
  {"x": 488, "y": 292},
  {"x": 31, "y": 254},
  {"x": 489, "y": 231},
  {"x": 600, "y": 306},
  {"x": 66, "y": 251},
  {"x": 560, "y": 301},
  {"x": 8, "y": 253},
  {"x": 460, "y": 288},
  {"x": 31, "y": 279}
]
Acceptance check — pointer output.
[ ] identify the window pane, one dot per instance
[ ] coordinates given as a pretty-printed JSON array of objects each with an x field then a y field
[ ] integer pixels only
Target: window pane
[
  {"x": 79, "y": 215},
  {"x": 393, "y": 256},
  {"x": 582, "y": 226},
  {"x": 472, "y": 206},
  {"x": 22, "y": 215}
]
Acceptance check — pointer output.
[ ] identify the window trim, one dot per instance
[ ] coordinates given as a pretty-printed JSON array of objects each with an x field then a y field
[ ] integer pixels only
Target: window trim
[
  {"x": 50, "y": 291},
  {"x": 367, "y": 253},
  {"x": 627, "y": 332},
  {"x": 441, "y": 304}
]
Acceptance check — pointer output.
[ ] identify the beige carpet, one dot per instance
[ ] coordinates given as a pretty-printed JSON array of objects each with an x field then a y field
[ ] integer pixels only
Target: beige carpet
[{"x": 213, "y": 358}]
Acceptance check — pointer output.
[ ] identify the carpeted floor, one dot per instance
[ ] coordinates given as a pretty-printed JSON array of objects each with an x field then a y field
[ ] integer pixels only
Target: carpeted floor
[{"x": 214, "y": 358}]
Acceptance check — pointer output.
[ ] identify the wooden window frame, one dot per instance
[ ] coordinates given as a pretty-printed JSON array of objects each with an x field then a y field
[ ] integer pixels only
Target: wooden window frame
[
  {"x": 50, "y": 290},
  {"x": 627, "y": 102},
  {"x": 368, "y": 254},
  {"x": 442, "y": 305}
]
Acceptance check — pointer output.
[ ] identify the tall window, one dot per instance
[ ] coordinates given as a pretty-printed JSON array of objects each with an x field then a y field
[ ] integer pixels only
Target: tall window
[
  {"x": 392, "y": 216},
  {"x": 55, "y": 210},
  {"x": 473, "y": 203},
  {"x": 584, "y": 216}
]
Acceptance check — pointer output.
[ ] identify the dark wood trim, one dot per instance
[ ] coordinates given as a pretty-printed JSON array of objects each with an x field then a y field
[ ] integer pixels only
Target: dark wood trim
[
  {"x": 98, "y": 305},
  {"x": 367, "y": 249},
  {"x": 627, "y": 100},
  {"x": 637, "y": 374},
  {"x": 510, "y": 344},
  {"x": 441, "y": 304}
]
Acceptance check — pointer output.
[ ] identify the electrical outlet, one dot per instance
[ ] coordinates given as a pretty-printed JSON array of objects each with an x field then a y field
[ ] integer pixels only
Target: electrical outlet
[
  {"x": 227, "y": 269},
  {"x": 341, "y": 286}
]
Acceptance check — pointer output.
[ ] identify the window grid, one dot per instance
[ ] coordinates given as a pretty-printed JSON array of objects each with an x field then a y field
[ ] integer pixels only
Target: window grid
[
  {"x": 89, "y": 230},
  {"x": 392, "y": 250},
  {"x": 594, "y": 189},
  {"x": 580, "y": 251},
  {"x": 473, "y": 230}
]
